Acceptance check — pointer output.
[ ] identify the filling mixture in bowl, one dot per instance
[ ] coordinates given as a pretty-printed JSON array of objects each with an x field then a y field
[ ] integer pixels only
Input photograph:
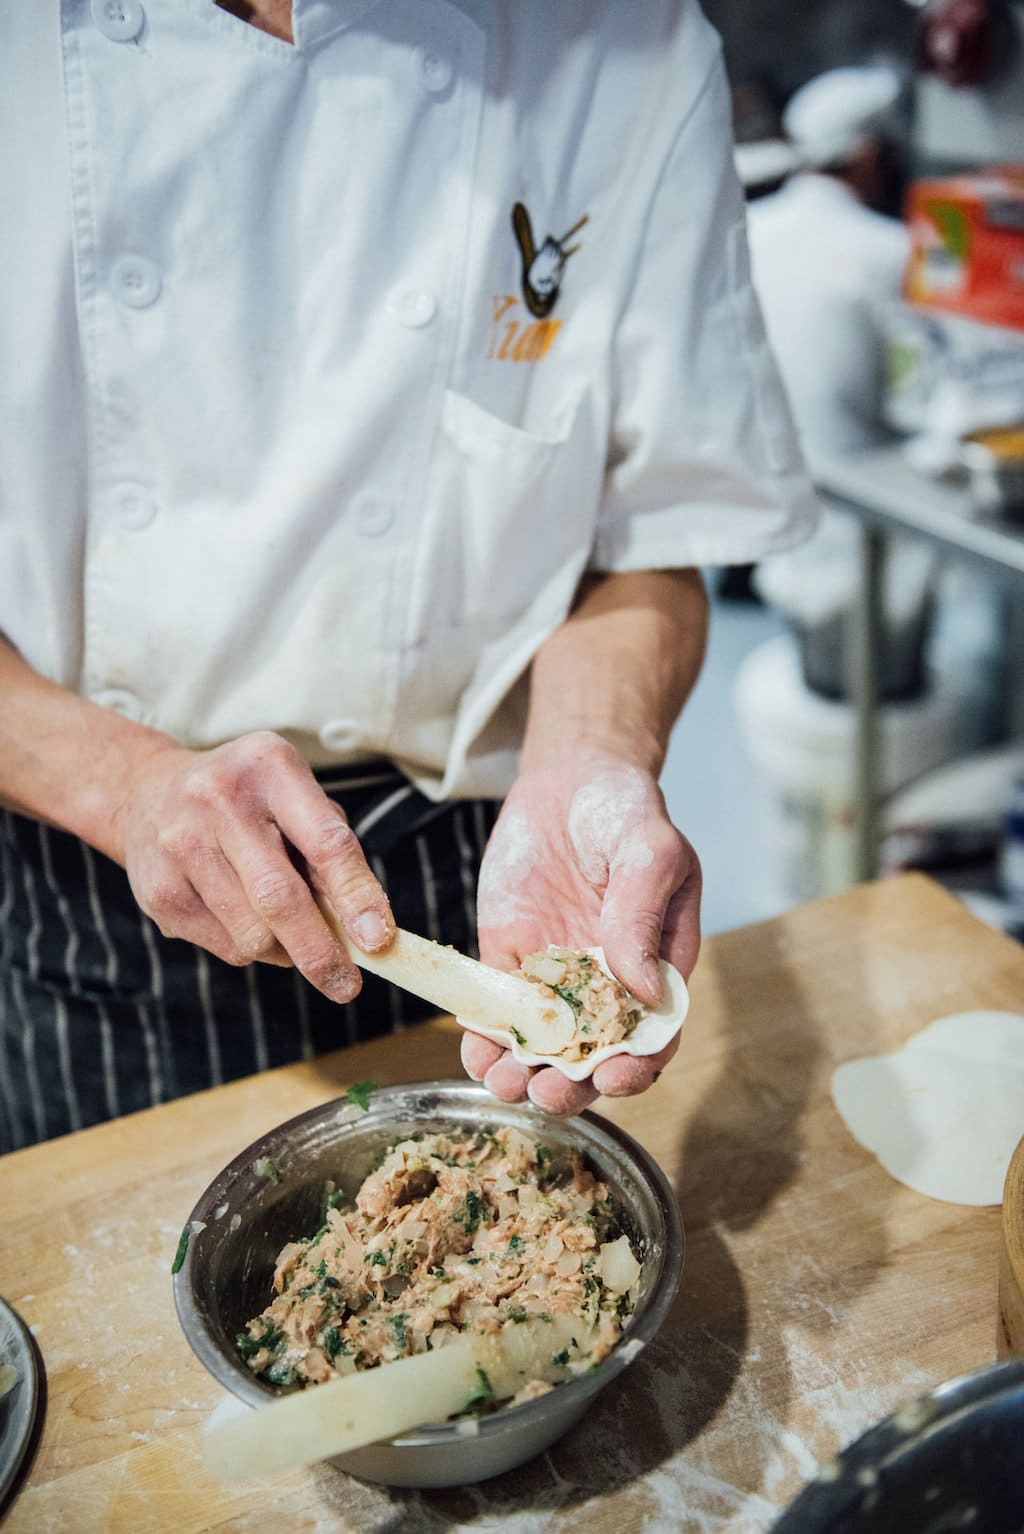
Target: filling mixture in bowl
[
  {"x": 450, "y": 1234},
  {"x": 604, "y": 1010}
]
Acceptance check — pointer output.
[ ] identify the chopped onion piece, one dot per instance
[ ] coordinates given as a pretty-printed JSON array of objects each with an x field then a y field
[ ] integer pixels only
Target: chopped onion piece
[
  {"x": 443, "y": 1296},
  {"x": 544, "y": 967},
  {"x": 569, "y": 1262},
  {"x": 619, "y": 1268},
  {"x": 553, "y": 1248}
]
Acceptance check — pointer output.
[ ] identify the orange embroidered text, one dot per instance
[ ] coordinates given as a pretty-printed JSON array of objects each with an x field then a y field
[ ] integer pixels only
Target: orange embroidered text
[{"x": 512, "y": 340}]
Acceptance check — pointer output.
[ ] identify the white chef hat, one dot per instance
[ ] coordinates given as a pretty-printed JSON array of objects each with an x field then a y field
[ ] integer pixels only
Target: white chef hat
[
  {"x": 765, "y": 161},
  {"x": 833, "y": 116}
]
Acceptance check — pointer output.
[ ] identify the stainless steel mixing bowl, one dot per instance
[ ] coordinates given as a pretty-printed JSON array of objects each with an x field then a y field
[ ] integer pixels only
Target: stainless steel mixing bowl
[
  {"x": 951, "y": 1460},
  {"x": 225, "y": 1278}
]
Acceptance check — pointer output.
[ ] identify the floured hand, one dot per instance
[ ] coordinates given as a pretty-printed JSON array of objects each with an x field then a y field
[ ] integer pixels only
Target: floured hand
[{"x": 584, "y": 854}]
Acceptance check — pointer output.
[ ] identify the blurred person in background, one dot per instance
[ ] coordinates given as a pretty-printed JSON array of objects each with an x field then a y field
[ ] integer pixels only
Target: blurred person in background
[
  {"x": 825, "y": 251},
  {"x": 827, "y": 257}
]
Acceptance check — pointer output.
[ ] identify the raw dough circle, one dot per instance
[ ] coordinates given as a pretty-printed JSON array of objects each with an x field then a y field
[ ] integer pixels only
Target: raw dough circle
[{"x": 943, "y": 1114}]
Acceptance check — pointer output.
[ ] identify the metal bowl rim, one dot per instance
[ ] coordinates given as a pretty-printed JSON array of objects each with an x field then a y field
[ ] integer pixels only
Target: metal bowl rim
[
  {"x": 645, "y": 1322},
  {"x": 823, "y": 1498}
]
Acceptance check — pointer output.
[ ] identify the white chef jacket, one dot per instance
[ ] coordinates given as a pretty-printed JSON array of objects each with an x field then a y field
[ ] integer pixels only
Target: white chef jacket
[
  {"x": 824, "y": 265},
  {"x": 283, "y": 446}
]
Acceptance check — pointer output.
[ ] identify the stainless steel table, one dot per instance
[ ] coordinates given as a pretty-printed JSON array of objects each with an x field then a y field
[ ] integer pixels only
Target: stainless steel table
[{"x": 888, "y": 495}]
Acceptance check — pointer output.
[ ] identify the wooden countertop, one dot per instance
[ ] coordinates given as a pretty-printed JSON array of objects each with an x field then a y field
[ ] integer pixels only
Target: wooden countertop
[{"x": 818, "y": 1294}]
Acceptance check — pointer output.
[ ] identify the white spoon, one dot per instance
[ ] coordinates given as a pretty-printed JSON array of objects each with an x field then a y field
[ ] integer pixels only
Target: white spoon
[
  {"x": 481, "y": 998},
  {"x": 378, "y": 1404},
  {"x": 512, "y": 1011}
]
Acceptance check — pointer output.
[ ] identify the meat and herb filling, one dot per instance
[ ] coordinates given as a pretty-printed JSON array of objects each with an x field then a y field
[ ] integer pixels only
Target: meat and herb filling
[
  {"x": 604, "y": 1010},
  {"x": 448, "y": 1235}
]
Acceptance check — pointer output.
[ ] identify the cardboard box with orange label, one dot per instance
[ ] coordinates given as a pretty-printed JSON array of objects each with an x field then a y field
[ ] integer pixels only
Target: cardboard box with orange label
[{"x": 967, "y": 245}]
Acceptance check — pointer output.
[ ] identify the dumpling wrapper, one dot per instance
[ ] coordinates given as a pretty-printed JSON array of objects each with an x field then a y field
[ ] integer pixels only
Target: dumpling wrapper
[
  {"x": 656, "y": 1028},
  {"x": 945, "y": 1113}
]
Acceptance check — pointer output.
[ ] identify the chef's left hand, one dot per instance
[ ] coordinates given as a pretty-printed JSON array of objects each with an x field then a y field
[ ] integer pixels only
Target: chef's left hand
[{"x": 584, "y": 853}]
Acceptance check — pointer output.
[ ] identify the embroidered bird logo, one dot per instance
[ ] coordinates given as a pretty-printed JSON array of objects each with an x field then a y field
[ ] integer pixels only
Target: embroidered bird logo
[{"x": 543, "y": 268}]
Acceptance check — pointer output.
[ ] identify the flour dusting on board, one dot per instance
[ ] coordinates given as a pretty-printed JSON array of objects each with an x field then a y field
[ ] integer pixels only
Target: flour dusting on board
[
  {"x": 606, "y": 820},
  {"x": 693, "y": 1403}
]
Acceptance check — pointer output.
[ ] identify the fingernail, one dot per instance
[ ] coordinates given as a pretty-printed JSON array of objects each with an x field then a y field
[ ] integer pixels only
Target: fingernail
[
  {"x": 652, "y": 978},
  {"x": 370, "y": 930},
  {"x": 343, "y": 985}
]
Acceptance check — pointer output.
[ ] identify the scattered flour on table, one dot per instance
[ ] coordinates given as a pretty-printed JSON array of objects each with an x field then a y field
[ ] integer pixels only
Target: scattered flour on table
[{"x": 654, "y": 1450}]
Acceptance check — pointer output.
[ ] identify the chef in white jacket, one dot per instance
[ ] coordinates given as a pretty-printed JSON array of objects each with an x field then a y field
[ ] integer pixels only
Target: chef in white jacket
[
  {"x": 826, "y": 258},
  {"x": 375, "y": 378}
]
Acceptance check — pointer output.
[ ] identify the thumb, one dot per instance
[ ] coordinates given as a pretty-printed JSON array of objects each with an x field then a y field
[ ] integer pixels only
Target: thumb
[
  {"x": 632, "y": 917},
  {"x": 648, "y": 913}
]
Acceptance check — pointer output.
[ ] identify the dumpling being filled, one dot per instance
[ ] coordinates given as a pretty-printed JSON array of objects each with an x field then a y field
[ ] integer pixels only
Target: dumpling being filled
[{"x": 604, "y": 1011}]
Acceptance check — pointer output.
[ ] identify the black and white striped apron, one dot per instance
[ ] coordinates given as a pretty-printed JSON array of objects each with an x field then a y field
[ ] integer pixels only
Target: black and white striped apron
[{"x": 100, "y": 1015}]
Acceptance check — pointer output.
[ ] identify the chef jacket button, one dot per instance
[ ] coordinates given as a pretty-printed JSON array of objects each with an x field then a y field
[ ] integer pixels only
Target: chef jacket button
[
  {"x": 135, "y": 281},
  {"x": 435, "y": 70},
  {"x": 121, "y": 701},
  {"x": 372, "y": 514},
  {"x": 414, "y": 310},
  {"x": 120, "y": 20},
  {"x": 339, "y": 735},
  {"x": 134, "y": 506}
]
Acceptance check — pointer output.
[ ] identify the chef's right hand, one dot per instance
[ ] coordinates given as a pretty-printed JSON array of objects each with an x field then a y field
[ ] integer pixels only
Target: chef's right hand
[{"x": 207, "y": 838}]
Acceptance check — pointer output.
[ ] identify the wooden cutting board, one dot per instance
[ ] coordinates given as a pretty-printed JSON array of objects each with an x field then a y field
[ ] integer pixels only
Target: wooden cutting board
[
  {"x": 1011, "y": 1260},
  {"x": 817, "y": 1296}
]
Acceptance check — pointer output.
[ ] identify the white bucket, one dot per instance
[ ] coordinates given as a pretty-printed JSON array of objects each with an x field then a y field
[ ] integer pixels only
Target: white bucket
[{"x": 804, "y": 746}]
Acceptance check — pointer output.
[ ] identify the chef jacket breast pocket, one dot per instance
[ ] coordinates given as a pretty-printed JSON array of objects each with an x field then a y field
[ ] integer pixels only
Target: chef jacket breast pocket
[{"x": 514, "y": 507}]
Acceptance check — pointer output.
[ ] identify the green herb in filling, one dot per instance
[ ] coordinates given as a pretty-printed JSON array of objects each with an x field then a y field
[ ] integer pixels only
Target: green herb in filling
[
  {"x": 271, "y": 1338},
  {"x": 179, "y": 1256},
  {"x": 335, "y": 1343},
  {"x": 472, "y": 1212},
  {"x": 570, "y": 997},
  {"x": 279, "y": 1373},
  {"x": 483, "y": 1395},
  {"x": 359, "y": 1093}
]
